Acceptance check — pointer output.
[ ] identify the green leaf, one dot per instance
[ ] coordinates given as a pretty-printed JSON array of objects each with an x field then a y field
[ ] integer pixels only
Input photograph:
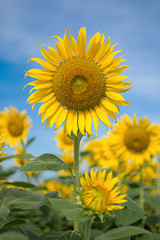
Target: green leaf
[
  {"x": 51, "y": 195},
  {"x": 2, "y": 222},
  {"x": 75, "y": 214},
  {"x": 149, "y": 236},
  {"x": 132, "y": 205},
  {"x": 1, "y": 166},
  {"x": 95, "y": 233},
  {"x": 61, "y": 204},
  {"x": 14, "y": 223},
  {"x": 153, "y": 201},
  {"x": 85, "y": 153},
  {"x": 148, "y": 165},
  {"x": 23, "y": 156},
  {"x": 68, "y": 235},
  {"x": 21, "y": 199},
  {"x": 130, "y": 217},
  {"x": 133, "y": 193},
  {"x": 8, "y": 172},
  {"x": 30, "y": 141},
  {"x": 12, "y": 235},
  {"x": 68, "y": 208},
  {"x": 152, "y": 220},
  {"x": 4, "y": 212},
  {"x": 45, "y": 162},
  {"x": 21, "y": 184},
  {"x": 28, "y": 229},
  {"x": 121, "y": 232}
]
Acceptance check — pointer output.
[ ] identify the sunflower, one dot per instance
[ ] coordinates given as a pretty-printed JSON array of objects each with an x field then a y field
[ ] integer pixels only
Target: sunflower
[
  {"x": 64, "y": 190},
  {"x": 132, "y": 171},
  {"x": 102, "y": 154},
  {"x": 135, "y": 140},
  {"x": 78, "y": 86},
  {"x": 14, "y": 125},
  {"x": 65, "y": 143},
  {"x": 68, "y": 159},
  {"x": 20, "y": 161},
  {"x": 98, "y": 193},
  {"x": 2, "y": 146}
]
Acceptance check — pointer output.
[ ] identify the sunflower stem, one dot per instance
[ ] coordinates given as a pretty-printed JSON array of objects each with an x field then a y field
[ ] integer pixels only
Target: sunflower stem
[
  {"x": 76, "y": 174},
  {"x": 141, "y": 198},
  {"x": 87, "y": 229},
  {"x": 119, "y": 172},
  {"x": 158, "y": 176}
]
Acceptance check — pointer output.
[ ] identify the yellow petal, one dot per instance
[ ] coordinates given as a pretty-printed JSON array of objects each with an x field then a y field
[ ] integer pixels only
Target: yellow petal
[
  {"x": 81, "y": 43},
  {"x": 102, "y": 116},
  {"x": 51, "y": 110},
  {"x": 116, "y": 79},
  {"x": 88, "y": 122},
  {"x": 94, "y": 46},
  {"x": 40, "y": 74},
  {"x": 109, "y": 113},
  {"x": 75, "y": 122},
  {"x": 43, "y": 63},
  {"x": 114, "y": 96},
  {"x": 73, "y": 43},
  {"x": 95, "y": 119},
  {"x": 55, "y": 54},
  {"x": 61, "y": 118},
  {"x": 56, "y": 115},
  {"x": 67, "y": 45},
  {"x": 61, "y": 48},
  {"x": 49, "y": 57},
  {"x": 118, "y": 71},
  {"x": 81, "y": 122},
  {"x": 69, "y": 122},
  {"x": 46, "y": 105},
  {"x": 110, "y": 106},
  {"x": 104, "y": 48}
]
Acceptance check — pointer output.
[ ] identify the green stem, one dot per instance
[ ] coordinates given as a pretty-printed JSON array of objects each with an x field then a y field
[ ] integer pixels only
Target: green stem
[
  {"x": 141, "y": 199},
  {"x": 76, "y": 174},
  {"x": 158, "y": 176},
  {"x": 87, "y": 229},
  {"x": 119, "y": 172}
]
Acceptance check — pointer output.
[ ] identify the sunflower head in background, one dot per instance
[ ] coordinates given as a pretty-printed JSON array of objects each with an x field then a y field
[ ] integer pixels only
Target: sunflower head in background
[
  {"x": 78, "y": 86},
  {"x": 14, "y": 125},
  {"x": 2, "y": 146},
  {"x": 64, "y": 142},
  {"x": 101, "y": 154},
  {"x": 68, "y": 159},
  {"x": 136, "y": 140}
]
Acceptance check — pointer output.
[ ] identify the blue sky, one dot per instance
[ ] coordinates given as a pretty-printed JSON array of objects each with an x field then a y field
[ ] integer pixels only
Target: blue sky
[{"x": 133, "y": 24}]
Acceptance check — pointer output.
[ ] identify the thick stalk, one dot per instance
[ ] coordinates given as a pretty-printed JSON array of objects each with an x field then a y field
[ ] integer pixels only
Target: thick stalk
[
  {"x": 119, "y": 172},
  {"x": 141, "y": 198},
  {"x": 76, "y": 174},
  {"x": 158, "y": 176},
  {"x": 87, "y": 229}
]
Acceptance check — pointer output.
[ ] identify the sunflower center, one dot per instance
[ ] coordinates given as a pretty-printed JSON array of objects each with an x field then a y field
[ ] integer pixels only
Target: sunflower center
[
  {"x": 79, "y": 83},
  {"x": 96, "y": 198},
  {"x": 136, "y": 139},
  {"x": 15, "y": 127}
]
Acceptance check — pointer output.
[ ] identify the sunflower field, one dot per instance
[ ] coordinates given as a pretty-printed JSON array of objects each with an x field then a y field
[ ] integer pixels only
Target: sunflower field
[{"x": 103, "y": 187}]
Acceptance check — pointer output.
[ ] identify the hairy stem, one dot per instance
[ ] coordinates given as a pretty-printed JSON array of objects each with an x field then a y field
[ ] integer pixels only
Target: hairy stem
[
  {"x": 158, "y": 176},
  {"x": 76, "y": 174},
  {"x": 141, "y": 198},
  {"x": 87, "y": 229}
]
